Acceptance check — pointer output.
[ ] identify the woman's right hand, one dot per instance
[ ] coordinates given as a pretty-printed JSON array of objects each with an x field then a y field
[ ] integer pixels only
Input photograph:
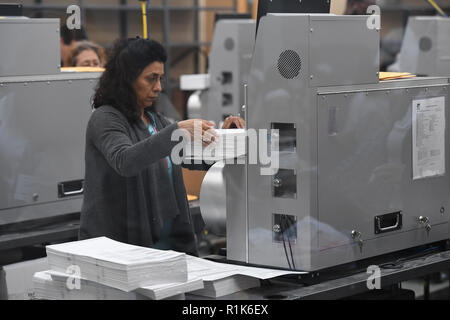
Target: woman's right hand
[{"x": 199, "y": 130}]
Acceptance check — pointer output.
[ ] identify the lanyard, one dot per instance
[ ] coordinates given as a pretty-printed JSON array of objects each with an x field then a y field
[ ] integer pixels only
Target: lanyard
[{"x": 154, "y": 130}]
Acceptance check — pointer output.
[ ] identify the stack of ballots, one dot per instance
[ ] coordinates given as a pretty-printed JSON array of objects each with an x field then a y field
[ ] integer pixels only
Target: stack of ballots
[
  {"x": 221, "y": 279},
  {"x": 230, "y": 144},
  {"x": 105, "y": 268},
  {"x": 52, "y": 285}
]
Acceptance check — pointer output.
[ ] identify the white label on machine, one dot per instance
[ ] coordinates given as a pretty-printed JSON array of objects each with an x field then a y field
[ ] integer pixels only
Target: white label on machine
[{"x": 428, "y": 131}]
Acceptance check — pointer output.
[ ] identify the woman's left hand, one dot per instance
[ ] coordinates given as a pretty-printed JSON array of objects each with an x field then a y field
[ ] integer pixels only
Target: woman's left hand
[{"x": 233, "y": 122}]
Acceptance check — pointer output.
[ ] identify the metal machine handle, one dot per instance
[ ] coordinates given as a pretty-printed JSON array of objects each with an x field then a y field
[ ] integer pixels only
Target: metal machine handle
[
  {"x": 70, "y": 188},
  {"x": 388, "y": 222},
  {"x": 72, "y": 193},
  {"x": 389, "y": 228}
]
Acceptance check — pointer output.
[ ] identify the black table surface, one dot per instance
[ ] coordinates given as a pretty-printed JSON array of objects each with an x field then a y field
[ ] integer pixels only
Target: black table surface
[{"x": 392, "y": 272}]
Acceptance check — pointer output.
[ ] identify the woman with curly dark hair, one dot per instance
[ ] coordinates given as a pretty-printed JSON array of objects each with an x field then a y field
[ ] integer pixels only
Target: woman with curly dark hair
[{"x": 133, "y": 192}]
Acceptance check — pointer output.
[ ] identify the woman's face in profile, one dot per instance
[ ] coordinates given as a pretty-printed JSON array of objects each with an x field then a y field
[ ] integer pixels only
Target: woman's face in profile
[
  {"x": 88, "y": 58},
  {"x": 148, "y": 85}
]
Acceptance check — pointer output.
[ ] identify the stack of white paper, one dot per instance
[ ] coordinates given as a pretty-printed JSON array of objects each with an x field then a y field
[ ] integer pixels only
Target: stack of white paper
[
  {"x": 54, "y": 285},
  {"x": 118, "y": 265},
  {"x": 230, "y": 144},
  {"x": 50, "y": 285},
  {"x": 222, "y": 287},
  {"x": 101, "y": 268},
  {"x": 171, "y": 290},
  {"x": 221, "y": 279}
]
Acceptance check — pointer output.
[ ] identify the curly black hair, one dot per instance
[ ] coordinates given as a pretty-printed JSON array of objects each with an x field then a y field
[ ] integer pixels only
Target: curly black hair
[{"x": 128, "y": 59}]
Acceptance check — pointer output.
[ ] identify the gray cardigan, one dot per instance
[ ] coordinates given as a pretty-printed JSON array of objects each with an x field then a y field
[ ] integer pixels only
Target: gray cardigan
[{"x": 128, "y": 194}]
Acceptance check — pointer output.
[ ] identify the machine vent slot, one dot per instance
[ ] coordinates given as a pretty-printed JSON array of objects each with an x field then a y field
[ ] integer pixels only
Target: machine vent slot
[
  {"x": 284, "y": 184},
  {"x": 287, "y": 136},
  {"x": 227, "y": 99},
  {"x": 227, "y": 77},
  {"x": 289, "y": 64},
  {"x": 284, "y": 228}
]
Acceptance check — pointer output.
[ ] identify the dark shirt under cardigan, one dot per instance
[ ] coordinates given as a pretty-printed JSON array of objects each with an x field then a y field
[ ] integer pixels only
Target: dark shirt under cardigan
[{"x": 128, "y": 194}]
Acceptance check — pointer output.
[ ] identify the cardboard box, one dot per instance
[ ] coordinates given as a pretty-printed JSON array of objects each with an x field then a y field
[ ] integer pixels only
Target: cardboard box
[{"x": 193, "y": 181}]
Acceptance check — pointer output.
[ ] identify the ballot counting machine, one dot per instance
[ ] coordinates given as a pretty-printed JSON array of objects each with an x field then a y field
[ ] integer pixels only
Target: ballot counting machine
[
  {"x": 363, "y": 164},
  {"x": 43, "y": 118},
  {"x": 426, "y": 47},
  {"x": 220, "y": 93}
]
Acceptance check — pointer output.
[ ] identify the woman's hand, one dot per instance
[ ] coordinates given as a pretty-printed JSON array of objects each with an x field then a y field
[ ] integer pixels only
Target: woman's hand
[
  {"x": 233, "y": 122},
  {"x": 199, "y": 130}
]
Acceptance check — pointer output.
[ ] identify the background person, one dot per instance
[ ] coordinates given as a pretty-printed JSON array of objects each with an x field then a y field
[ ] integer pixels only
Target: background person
[{"x": 87, "y": 54}]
